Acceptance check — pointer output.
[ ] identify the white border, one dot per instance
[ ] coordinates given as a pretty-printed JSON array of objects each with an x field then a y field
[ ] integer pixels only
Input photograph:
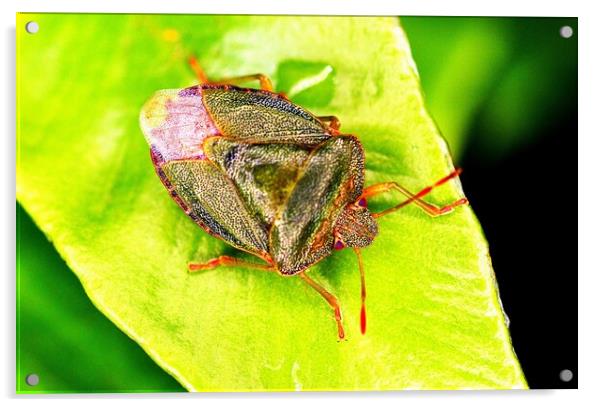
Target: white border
[
  {"x": 589, "y": 197},
  {"x": 337, "y": 7}
]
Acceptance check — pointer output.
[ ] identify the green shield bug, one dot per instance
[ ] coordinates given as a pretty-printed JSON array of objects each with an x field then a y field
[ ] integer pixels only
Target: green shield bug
[{"x": 268, "y": 177}]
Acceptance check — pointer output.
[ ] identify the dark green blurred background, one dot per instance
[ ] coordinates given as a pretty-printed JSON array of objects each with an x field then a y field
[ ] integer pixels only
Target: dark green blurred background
[{"x": 504, "y": 93}]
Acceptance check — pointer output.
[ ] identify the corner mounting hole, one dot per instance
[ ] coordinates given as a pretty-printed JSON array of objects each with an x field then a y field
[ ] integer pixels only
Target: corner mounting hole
[
  {"x": 566, "y": 375},
  {"x": 32, "y": 379},
  {"x": 32, "y": 27},
  {"x": 566, "y": 31}
]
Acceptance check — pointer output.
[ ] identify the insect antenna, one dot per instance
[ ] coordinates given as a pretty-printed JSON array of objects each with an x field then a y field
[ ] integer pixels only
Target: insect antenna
[{"x": 363, "y": 282}]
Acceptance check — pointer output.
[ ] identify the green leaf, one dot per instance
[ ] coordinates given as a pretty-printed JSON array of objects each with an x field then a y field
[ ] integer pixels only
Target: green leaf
[
  {"x": 85, "y": 176},
  {"x": 65, "y": 340}
]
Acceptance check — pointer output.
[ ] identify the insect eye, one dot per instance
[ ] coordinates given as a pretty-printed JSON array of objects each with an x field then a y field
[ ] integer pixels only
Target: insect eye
[
  {"x": 338, "y": 245},
  {"x": 363, "y": 203}
]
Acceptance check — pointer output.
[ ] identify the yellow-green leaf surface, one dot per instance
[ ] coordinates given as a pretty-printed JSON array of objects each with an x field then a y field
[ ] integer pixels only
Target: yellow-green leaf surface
[{"x": 85, "y": 176}]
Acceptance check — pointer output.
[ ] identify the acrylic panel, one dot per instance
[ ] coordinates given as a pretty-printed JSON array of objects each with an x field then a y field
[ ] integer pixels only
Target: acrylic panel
[{"x": 279, "y": 232}]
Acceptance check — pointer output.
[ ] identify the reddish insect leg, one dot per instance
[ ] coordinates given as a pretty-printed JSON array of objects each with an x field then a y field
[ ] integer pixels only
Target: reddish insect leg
[
  {"x": 363, "y": 282},
  {"x": 431, "y": 209},
  {"x": 264, "y": 82},
  {"x": 228, "y": 261},
  {"x": 331, "y": 299},
  {"x": 196, "y": 68},
  {"x": 331, "y": 121}
]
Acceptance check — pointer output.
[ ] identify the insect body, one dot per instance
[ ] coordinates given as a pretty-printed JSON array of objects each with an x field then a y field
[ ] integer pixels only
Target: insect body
[{"x": 266, "y": 176}]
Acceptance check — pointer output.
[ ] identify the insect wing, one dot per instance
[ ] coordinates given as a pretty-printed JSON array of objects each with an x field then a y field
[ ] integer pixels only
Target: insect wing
[
  {"x": 261, "y": 116},
  {"x": 332, "y": 177},
  {"x": 213, "y": 201},
  {"x": 175, "y": 123}
]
